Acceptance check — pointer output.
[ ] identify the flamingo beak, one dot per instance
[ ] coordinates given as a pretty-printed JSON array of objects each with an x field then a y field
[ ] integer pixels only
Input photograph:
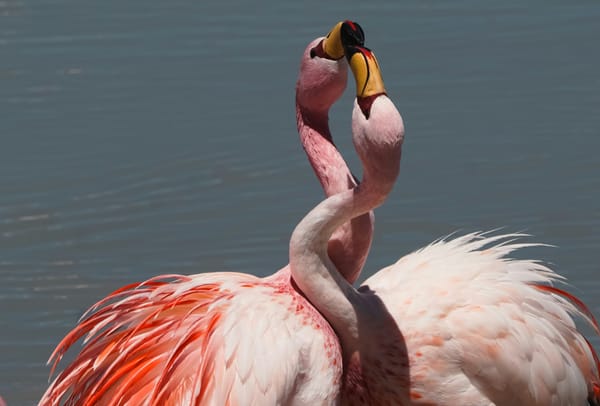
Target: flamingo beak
[
  {"x": 366, "y": 71},
  {"x": 332, "y": 46}
]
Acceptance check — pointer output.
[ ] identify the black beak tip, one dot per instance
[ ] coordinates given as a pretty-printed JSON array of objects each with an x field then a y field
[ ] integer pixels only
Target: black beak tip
[
  {"x": 352, "y": 34},
  {"x": 349, "y": 51}
]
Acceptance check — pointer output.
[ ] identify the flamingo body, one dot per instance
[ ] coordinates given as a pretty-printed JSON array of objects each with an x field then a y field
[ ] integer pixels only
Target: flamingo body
[
  {"x": 480, "y": 328},
  {"x": 207, "y": 339}
]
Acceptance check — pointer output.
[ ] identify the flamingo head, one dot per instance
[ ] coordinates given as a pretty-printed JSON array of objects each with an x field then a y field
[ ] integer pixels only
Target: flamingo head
[
  {"x": 323, "y": 70},
  {"x": 377, "y": 127}
]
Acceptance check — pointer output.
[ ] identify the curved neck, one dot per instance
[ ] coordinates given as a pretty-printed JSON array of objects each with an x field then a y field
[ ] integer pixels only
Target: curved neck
[
  {"x": 378, "y": 141},
  {"x": 349, "y": 245},
  {"x": 315, "y": 274}
]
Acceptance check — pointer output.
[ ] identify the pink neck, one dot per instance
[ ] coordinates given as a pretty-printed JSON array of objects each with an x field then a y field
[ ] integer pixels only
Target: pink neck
[
  {"x": 313, "y": 269},
  {"x": 378, "y": 142},
  {"x": 349, "y": 245}
]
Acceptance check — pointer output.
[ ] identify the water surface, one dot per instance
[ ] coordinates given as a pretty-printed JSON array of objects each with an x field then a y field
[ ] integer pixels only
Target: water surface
[{"x": 145, "y": 137}]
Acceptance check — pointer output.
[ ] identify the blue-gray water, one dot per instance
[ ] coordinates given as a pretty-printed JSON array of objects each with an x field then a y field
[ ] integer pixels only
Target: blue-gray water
[{"x": 147, "y": 137}]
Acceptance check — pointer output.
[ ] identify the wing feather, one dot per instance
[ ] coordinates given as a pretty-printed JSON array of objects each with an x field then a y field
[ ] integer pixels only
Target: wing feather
[
  {"x": 498, "y": 321},
  {"x": 210, "y": 339}
]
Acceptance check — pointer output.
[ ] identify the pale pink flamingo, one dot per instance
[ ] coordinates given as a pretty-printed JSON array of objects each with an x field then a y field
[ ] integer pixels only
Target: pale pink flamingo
[
  {"x": 455, "y": 323},
  {"x": 227, "y": 338}
]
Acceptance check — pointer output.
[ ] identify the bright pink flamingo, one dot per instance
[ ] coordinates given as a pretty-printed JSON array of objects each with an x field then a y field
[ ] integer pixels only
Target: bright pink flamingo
[
  {"x": 227, "y": 338},
  {"x": 455, "y": 323}
]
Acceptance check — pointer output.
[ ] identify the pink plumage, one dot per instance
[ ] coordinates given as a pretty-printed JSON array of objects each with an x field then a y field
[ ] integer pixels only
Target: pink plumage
[
  {"x": 198, "y": 340},
  {"x": 481, "y": 327}
]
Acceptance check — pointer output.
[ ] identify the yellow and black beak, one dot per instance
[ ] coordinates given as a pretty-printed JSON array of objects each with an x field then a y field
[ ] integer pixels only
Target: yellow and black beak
[
  {"x": 366, "y": 71},
  {"x": 332, "y": 46}
]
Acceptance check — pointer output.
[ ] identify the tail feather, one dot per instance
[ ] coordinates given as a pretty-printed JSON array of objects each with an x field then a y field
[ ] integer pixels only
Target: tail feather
[
  {"x": 585, "y": 311},
  {"x": 594, "y": 397},
  {"x": 594, "y": 384},
  {"x": 141, "y": 345}
]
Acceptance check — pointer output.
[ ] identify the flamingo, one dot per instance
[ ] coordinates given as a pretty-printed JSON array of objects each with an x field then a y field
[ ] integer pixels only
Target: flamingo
[
  {"x": 457, "y": 322},
  {"x": 227, "y": 338}
]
